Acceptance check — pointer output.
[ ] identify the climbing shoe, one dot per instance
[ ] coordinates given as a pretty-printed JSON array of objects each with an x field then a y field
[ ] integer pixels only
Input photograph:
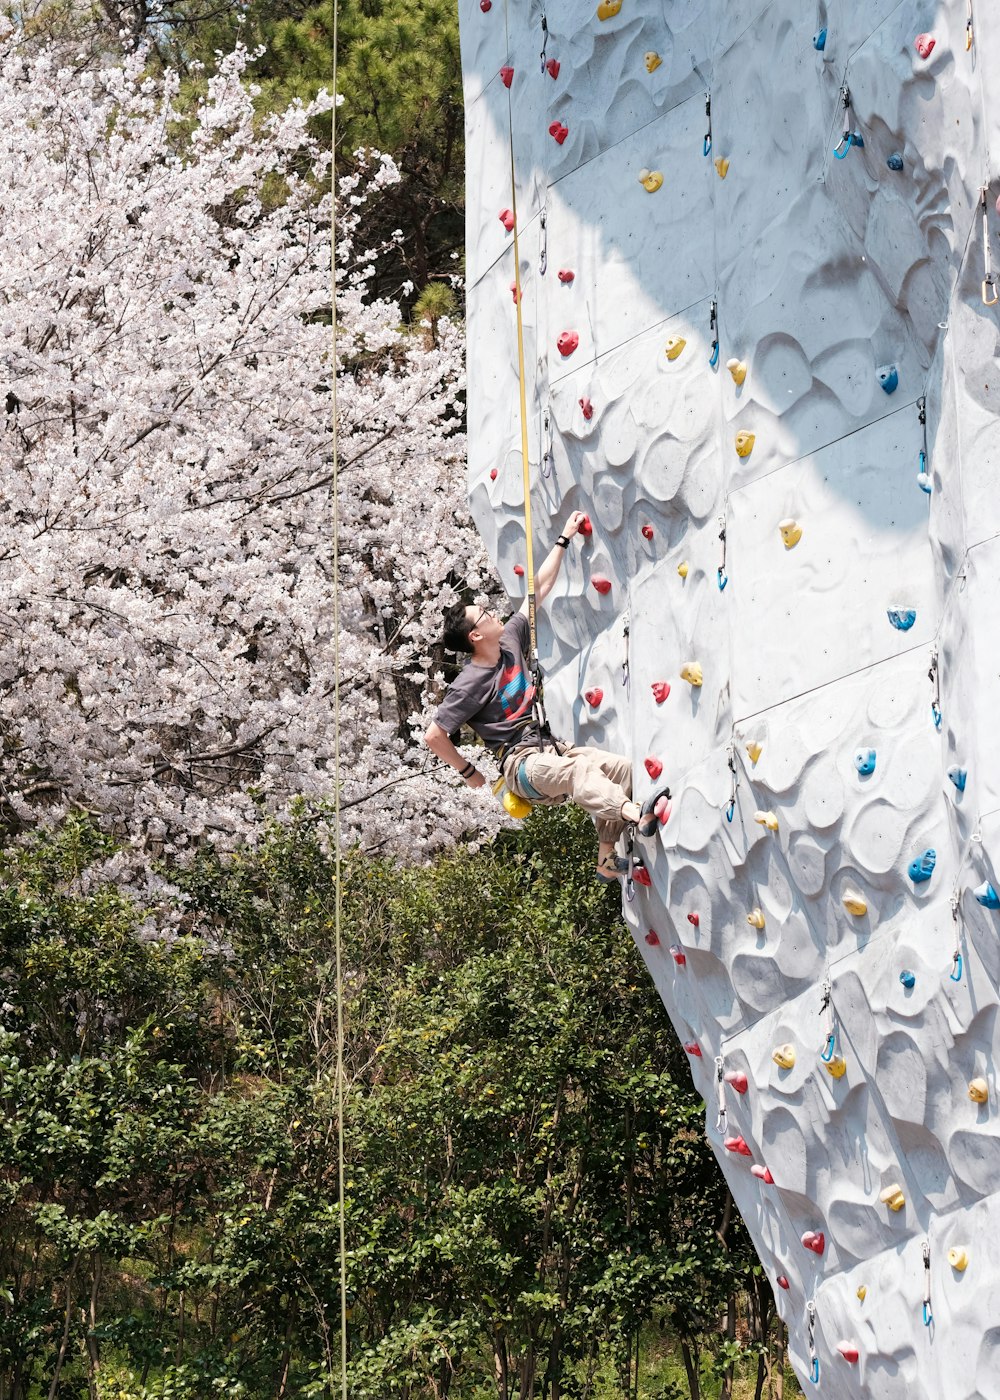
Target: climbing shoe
[{"x": 652, "y": 811}]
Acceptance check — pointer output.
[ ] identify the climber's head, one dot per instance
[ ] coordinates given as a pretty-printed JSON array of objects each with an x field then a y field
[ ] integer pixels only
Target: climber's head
[{"x": 470, "y": 628}]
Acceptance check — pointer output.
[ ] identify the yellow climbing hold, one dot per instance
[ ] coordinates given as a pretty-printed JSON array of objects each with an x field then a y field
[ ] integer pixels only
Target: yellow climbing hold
[
  {"x": 862, "y": 1293},
  {"x": 854, "y": 903},
  {"x": 756, "y": 918},
  {"x": 682, "y": 568},
  {"x": 768, "y": 819},
  {"x": 650, "y": 180},
  {"x": 738, "y": 369},
  {"x": 958, "y": 1258},
  {"x": 893, "y": 1196},
  {"x": 836, "y": 1068},
  {"x": 722, "y": 166},
  {"x": 653, "y": 61},
  {"x": 744, "y": 444},
  {"x": 979, "y": 1091},
  {"x": 607, "y": 9},
  {"x": 691, "y": 672},
  {"x": 516, "y": 806},
  {"x": 791, "y": 532},
  {"x": 784, "y": 1056},
  {"x": 755, "y": 750},
  {"x": 674, "y": 346}
]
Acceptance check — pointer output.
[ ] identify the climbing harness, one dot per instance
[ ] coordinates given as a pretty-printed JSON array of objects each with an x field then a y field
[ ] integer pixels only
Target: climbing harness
[
  {"x": 935, "y": 678},
  {"x": 626, "y": 622},
  {"x": 813, "y": 1358},
  {"x": 723, "y": 577},
  {"x": 722, "y": 1121},
  {"x": 707, "y": 143},
  {"x": 928, "y": 1315},
  {"x": 848, "y": 138},
  {"x": 713, "y": 330},
  {"x": 826, "y": 1010},
  {"x": 989, "y": 285}
]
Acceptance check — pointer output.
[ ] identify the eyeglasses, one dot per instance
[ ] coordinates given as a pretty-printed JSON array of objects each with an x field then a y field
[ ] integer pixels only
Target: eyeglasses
[{"x": 485, "y": 613}]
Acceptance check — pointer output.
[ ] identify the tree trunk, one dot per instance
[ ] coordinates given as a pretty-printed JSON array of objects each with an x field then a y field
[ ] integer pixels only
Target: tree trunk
[
  {"x": 689, "y": 1352},
  {"x": 93, "y": 1351},
  {"x": 726, "y": 1393}
]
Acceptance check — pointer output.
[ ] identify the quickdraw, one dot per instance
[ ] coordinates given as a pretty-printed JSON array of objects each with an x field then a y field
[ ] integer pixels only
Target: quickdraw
[
  {"x": 731, "y": 761},
  {"x": 934, "y": 676},
  {"x": 923, "y": 476},
  {"x": 722, "y": 1121},
  {"x": 813, "y": 1358},
  {"x": 848, "y": 138},
  {"x": 723, "y": 577},
  {"x": 989, "y": 285},
  {"x": 547, "y": 460},
  {"x": 545, "y": 43},
  {"x": 706, "y": 145},
  {"x": 928, "y": 1315},
  {"x": 713, "y": 330},
  {"x": 956, "y": 957},
  {"x": 626, "y": 623},
  {"x": 543, "y": 256},
  {"x": 826, "y": 1009}
]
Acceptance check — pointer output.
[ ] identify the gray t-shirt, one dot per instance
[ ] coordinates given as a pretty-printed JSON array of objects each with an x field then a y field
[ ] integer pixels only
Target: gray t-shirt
[{"x": 494, "y": 700}]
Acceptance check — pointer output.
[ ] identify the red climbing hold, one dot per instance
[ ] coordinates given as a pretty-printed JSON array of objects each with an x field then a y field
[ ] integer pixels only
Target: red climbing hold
[
  {"x": 737, "y": 1080},
  {"x": 814, "y": 1240},
  {"x": 519, "y": 570},
  {"x": 506, "y": 76},
  {"x": 514, "y": 293},
  {"x": 924, "y": 45},
  {"x": 737, "y": 1144},
  {"x": 694, "y": 919},
  {"x": 493, "y": 474},
  {"x": 653, "y": 938},
  {"x": 661, "y": 689},
  {"x": 486, "y": 6},
  {"x": 653, "y": 767},
  {"x": 662, "y": 810},
  {"x": 567, "y": 342},
  {"x": 558, "y": 132},
  {"x": 506, "y": 217},
  {"x": 647, "y": 532},
  {"x": 602, "y": 584},
  {"x": 552, "y": 67},
  {"x": 764, "y": 1173},
  {"x": 693, "y": 1048},
  {"x": 641, "y": 876},
  {"x": 593, "y": 697},
  {"x": 781, "y": 1281},
  {"x": 678, "y": 954},
  {"x": 588, "y": 408},
  {"x": 566, "y": 275},
  {"x": 586, "y": 528},
  {"x": 849, "y": 1351}
]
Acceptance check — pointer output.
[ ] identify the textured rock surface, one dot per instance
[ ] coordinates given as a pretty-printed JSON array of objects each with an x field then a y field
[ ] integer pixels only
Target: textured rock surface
[{"x": 823, "y": 270}]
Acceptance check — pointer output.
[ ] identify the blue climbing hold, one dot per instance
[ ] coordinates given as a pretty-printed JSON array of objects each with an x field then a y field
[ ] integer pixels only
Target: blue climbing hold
[
  {"x": 864, "y": 761},
  {"x": 819, "y": 41},
  {"x": 888, "y": 377},
  {"x": 987, "y": 895},
  {"x": 895, "y": 161},
  {"x": 922, "y": 867},
  {"x": 902, "y": 618},
  {"x": 908, "y": 979},
  {"x": 958, "y": 776}
]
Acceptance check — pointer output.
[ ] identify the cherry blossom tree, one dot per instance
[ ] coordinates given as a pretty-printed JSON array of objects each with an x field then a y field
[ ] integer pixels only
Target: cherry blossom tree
[{"x": 167, "y": 656}]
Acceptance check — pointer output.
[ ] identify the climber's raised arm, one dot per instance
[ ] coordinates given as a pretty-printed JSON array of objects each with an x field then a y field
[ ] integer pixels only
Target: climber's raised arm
[{"x": 551, "y": 564}]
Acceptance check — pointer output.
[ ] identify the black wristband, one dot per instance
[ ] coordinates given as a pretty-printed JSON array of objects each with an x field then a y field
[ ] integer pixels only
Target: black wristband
[
  {"x": 468, "y": 770},
  {"x": 563, "y": 542}
]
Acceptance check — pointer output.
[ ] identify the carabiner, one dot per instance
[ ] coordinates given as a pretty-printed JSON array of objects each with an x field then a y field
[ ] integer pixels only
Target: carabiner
[
  {"x": 723, "y": 579},
  {"x": 843, "y": 145},
  {"x": 989, "y": 301},
  {"x": 827, "y": 1054},
  {"x": 730, "y": 810},
  {"x": 715, "y": 355},
  {"x": 815, "y": 1370},
  {"x": 956, "y": 974},
  {"x": 928, "y": 1315}
]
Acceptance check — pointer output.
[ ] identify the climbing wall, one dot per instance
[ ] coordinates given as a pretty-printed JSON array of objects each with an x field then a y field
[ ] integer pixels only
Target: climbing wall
[{"x": 761, "y": 347}]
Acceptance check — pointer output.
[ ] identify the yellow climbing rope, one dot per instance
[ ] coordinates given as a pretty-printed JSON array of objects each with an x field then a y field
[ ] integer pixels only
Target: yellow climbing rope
[{"x": 529, "y": 561}]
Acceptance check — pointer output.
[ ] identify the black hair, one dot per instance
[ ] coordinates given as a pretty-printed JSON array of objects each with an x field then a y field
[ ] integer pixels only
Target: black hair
[{"x": 457, "y": 629}]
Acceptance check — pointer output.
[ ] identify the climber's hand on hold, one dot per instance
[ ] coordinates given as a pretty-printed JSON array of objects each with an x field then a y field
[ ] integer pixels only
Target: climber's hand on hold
[{"x": 573, "y": 524}]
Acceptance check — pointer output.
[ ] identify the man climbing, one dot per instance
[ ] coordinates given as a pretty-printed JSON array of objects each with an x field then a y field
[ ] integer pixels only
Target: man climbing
[{"x": 495, "y": 695}]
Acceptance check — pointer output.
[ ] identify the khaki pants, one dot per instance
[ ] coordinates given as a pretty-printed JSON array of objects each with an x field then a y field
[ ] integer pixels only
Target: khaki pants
[{"x": 597, "y": 781}]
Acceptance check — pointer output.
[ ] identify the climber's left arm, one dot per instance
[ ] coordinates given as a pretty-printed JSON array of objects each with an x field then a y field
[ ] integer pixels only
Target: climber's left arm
[{"x": 549, "y": 568}]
